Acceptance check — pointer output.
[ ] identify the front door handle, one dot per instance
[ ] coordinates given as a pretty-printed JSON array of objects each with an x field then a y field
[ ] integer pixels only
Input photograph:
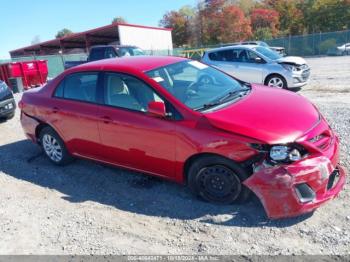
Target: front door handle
[{"x": 55, "y": 110}]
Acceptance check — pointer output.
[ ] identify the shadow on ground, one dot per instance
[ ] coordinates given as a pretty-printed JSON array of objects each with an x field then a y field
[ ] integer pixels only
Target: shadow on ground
[{"x": 129, "y": 191}]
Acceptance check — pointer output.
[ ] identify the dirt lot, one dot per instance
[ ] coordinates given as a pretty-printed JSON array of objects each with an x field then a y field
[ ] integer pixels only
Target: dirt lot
[{"x": 87, "y": 208}]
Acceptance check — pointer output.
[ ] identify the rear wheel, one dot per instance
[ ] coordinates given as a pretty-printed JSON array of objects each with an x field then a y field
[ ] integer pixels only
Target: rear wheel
[
  {"x": 217, "y": 179},
  {"x": 54, "y": 147},
  {"x": 276, "y": 81}
]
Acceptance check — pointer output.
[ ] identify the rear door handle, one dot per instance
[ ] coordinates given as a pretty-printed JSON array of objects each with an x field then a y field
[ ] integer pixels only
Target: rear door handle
[
  {"x": 55, "y": 110},
  {"x": 106, "y": 119}
]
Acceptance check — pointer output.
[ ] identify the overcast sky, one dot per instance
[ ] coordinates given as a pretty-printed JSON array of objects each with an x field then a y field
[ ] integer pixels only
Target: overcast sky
[{"x": 22, "y": 20}]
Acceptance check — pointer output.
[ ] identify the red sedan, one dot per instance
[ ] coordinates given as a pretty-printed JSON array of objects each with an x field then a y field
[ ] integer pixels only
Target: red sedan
[{"x": 187, "y": 122}]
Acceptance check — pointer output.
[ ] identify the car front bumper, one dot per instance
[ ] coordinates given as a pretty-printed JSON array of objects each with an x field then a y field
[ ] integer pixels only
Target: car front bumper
[
  {"x": 7, "y": 107},
  {"x": 298, "y": 78},
  {"x": 298, "y": 188}
]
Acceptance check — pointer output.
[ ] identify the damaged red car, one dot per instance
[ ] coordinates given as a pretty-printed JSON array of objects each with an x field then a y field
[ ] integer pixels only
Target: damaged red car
[{"x": 191, "y": 123}]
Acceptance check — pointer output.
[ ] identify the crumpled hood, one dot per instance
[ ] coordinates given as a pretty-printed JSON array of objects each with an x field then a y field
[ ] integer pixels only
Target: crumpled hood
[
  {"x": 292, "y": 60},
  {"x": 270, "y": 115}
]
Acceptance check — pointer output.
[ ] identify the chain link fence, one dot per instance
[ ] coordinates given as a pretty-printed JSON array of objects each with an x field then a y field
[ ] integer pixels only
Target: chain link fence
[{"x": 313, "y": 44}]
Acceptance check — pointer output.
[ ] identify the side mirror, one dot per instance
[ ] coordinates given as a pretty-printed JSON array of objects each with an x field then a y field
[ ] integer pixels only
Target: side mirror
[
  {"x": 259, "y": 60},
  {"x": 157, "y": 109}
]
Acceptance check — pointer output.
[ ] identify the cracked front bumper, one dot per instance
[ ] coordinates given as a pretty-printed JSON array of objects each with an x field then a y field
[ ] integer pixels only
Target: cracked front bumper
[{"x": 278, "y": 187}]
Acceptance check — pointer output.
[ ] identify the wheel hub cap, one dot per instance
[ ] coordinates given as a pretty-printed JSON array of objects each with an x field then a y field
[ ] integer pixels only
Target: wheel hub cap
[
  {"x": 52, "y": 148},
  {"x": 275, "y": 82}
]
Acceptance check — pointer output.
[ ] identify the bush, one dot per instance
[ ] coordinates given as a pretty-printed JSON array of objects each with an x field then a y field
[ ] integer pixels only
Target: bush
[
  {"x": 263, "y": 33},
  {"x": 326, "y": 45}
]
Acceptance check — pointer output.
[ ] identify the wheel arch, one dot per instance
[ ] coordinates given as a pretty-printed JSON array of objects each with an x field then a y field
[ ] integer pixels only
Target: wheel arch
[
  {"x": 189, "y": 161},
  {"x": 40, "y": 127}
]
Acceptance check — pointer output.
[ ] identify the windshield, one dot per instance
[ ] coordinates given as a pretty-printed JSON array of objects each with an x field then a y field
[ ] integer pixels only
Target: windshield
[
  {"x": 268, "y": 52},
  {"x": 196, "y": 85},
  {"x": 263, "y": 44}
]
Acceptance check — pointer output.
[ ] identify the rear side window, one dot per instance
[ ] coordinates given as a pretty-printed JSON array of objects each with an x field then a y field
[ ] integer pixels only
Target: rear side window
[
  {"x": 80, "y": 87},
  {"x": 225, "y": 55}
]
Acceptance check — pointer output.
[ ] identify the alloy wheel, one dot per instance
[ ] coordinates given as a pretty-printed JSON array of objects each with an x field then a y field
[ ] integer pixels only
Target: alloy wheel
[
  {"x": 276, "y": 82},
  {"x": 52, "y": 148}
]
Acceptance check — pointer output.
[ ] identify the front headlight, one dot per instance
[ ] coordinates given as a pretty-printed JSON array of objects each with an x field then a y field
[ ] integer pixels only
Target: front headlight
[
  {"x": 290, "y": 67},
  {"x": 285, "y": 153}
]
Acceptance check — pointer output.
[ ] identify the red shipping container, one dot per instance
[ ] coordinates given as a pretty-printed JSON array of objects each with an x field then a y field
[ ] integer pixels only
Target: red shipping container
[{"x": 33, "y": 73}]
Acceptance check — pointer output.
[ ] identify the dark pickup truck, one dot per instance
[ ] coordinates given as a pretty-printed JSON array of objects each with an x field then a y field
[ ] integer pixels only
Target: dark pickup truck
[{"x": 106, "y": 51}]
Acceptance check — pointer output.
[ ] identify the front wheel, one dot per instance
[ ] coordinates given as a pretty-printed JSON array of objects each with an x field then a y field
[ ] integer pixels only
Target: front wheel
[
  {"x": 217, "y": 179},
  {"x": 276, "y": 81},
  {"x": 54, "y": 147}
]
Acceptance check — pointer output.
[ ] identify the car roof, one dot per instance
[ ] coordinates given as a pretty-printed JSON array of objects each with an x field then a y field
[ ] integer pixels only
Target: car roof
[
  {"x": 230, "y": 47},
  {"x": 139, "y": 63}
]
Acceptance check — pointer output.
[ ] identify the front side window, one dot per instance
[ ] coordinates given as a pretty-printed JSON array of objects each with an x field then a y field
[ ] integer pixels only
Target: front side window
[
  {"x": 128, "y": 92},
  {"x": 79, "y": 86},
  {"x": 197, "y": 85}
]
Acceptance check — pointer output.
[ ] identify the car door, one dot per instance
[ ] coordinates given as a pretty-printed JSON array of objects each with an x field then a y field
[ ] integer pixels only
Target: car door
[
  {"x": 130, "y": 136},
  {"x": 74, "y": 113},
  {"x": 250, "y": 66},
  {"x": 225, "y": 61}
]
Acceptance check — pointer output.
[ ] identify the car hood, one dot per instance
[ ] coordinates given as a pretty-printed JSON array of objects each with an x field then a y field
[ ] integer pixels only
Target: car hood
[
  {"x": 295, "y": 60},
  {"x": 270, "y": 115}
]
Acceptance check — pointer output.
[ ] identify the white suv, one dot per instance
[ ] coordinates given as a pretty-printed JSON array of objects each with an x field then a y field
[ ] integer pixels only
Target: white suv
[{"x": 258, "y": 64}]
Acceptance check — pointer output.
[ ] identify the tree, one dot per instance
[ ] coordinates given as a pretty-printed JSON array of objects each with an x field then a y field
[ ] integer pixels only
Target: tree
[
  {"x": 262, "y": 33},
  {"x": 330, "y": 15},
  {"x": 265, "y": 18},
  {"x": 64, "y": 32},
  {"x": 179, "y": 21},
  {"x": 234, "y": 25},
  {"x": 35, "y": 40},
  {"x": 119, "y": 19},
  {"x": 291, "y": 20},
  {"x": 222, "y": 22}
]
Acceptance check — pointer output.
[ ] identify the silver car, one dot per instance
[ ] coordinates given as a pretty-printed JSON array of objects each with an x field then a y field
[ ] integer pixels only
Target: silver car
[{"x": 258, "y": 64}]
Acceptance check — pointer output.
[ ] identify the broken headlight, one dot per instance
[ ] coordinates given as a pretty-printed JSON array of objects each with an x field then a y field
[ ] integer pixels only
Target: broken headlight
[{"x": 284, "y": 153}]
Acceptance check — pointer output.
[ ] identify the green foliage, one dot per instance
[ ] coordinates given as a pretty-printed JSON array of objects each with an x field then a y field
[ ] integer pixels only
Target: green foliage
[
  {"x": 63, "y": 32},
  {"x": 327, "y": 44},
  {"x": 262, "y": 33},
  {"x": 119, "y": 19}
]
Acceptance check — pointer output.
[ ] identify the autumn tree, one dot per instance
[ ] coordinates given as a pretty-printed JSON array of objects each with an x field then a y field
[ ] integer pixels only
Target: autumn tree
[
  {"x": 291, "y": 15},
  {"x": 266, "y": 19},
  {"x": 179, "y": 21},
  {"x": 222, "y": 22},
  {"x": 234, "y": 25},
  {"x": 63, "y": 32}
]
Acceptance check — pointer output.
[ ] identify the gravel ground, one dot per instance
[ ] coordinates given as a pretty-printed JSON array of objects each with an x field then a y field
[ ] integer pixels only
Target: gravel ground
[{"x": 87, "y": 208}]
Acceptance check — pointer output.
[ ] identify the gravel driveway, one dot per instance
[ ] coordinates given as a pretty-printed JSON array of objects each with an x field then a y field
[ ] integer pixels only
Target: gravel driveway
[{"x": 88, "y": 208}]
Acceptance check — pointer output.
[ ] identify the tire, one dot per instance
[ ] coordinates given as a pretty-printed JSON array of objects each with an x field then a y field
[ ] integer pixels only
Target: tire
[
  {"x": 276, "y": 81},
  {"x": 54, "y": 147},
  {"x": 219, "y": 180}
]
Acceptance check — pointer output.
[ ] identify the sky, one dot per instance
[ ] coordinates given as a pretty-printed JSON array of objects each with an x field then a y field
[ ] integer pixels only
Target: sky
[{"x": 22, "y": 20}]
